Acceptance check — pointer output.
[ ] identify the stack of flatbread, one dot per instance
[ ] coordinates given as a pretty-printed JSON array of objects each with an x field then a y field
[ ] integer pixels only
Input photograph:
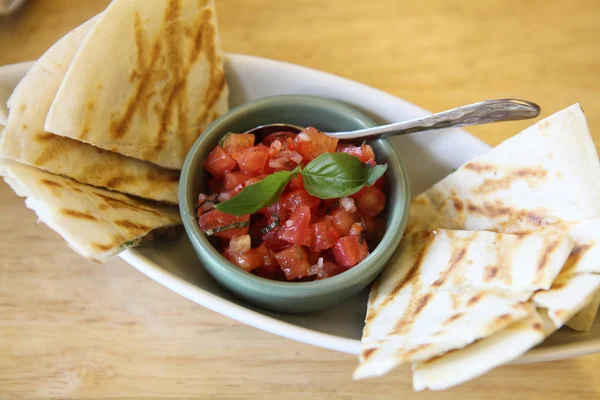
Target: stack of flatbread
[
  {"x": 99, "y": 128},
  {"x": 496, "y": 257}
]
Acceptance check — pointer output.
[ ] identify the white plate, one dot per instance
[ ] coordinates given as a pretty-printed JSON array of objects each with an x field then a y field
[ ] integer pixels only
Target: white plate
[{"x": 428, "y": 156}]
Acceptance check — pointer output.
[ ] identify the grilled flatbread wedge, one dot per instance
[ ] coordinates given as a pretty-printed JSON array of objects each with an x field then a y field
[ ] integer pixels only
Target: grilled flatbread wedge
[
  {"x": 445, "y": 289},
  {"x": 577, "y": 284},
  {"x": 95, "y": 223},
  {"x": 153, "y": 103},
  {"x": 24, "y": 139},
  {"x": 548, "y": 173}
]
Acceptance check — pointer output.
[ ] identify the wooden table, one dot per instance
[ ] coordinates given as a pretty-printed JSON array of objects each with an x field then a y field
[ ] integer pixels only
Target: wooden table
[{"x": 73, "y": 329}]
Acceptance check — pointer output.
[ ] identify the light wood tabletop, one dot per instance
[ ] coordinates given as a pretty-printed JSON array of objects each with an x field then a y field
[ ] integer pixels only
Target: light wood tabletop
[{"x": 73, "y": 329}]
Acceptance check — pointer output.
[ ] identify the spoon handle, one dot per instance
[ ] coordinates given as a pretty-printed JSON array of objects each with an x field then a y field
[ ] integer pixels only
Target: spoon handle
[{"x": 484, "y": 112}]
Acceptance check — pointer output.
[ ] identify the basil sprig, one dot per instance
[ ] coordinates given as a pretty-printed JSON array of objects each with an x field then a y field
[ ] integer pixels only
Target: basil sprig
[{"x": 331, "y": 175}]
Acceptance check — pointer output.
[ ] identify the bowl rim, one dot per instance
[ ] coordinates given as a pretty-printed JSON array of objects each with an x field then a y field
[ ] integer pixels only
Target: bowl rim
[{"x": 391, "y": 237}]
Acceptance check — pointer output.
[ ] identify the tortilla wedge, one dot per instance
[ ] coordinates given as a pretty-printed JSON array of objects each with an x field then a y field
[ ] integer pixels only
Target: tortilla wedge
[
  {"x": 155, "y": 102},
  {"x": 462, "y": 365},
  {"x": 548, "y": 173},
  {"x": 444, "y": 290},
  {"x": 25, "y": 141},
  {"x": 95, "y": 223}
]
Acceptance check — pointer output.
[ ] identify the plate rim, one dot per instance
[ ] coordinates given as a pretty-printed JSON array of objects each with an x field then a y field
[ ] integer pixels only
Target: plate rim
[{"x": 273, "y": 325}]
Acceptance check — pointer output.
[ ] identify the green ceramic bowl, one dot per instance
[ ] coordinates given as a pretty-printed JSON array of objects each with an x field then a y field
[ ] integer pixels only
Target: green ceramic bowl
[{"x": 325, "y": 115}]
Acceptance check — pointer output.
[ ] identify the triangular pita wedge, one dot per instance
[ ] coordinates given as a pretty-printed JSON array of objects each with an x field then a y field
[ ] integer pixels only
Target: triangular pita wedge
[
  {"x": 95, "y": 222},
  {"x": 24, "y": 139},
  {"x": 445, "y": 289},
  {"x": 547, "y": 173},
  {"x": 577, "y": 285},
  {"x": 462, "y": 365},
  {"x": 146, "y": 81}
]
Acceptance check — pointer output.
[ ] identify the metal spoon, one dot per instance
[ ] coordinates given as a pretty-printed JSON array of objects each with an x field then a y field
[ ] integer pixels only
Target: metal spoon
[{"x": 484, "y": 112}]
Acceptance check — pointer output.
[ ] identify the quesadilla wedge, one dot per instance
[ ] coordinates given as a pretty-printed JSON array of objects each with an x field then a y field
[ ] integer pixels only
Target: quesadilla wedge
[
  {"x": 548, "y": 173},
  {"x": 445, "y": 289},
  {"x": 462, "y": 365},
  {"x": 95, "y": 223},
  {"x": 25, "y": 141},
  {"x": 575, "y": 286},
  {"x": 145, "y": 82}
]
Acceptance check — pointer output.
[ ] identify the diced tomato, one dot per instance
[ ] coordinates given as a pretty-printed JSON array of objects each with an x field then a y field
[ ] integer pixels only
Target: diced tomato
[
  {"x": 375, "y": 227},
  {"x": 299, "y": 198},
  {"x": 296, "y": 183},
  {"x": 349, "y": 251},
  {"x": 327, "y": 270},
  {"x": 215, "y": 219},
  {"x": 281, "y": 136},
  {"x": 230, "y": 194},
  {"x": 247, "y": 260},
  {"x": 342, "y": 220},
  {"x": 217, "y": 162},
  {"x": 253, "y": 159},
  {"x": 295, "y": 230},
  {"x": 293, "y": 261},
  {"x": 268, "y": 260},
  {"x": 272, "y": 241},
  {"x": 379, "y": 183},
  {"x": 317, "y": 144},
  {"x": 276, "y": 211},
  {"x": 323, "y": 235},
  {"x": 371, "y": 203},
  {"x": 374, "y": 224},
  {"x": 232, "y": 179},
  {"x": 364, "y": 152},
  {"x": 237, "y": 142}
]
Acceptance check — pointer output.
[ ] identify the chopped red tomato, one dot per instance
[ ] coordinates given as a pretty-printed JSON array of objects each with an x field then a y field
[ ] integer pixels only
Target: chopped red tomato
[
  {"x": 218, "y": 162},
  {"x": 232, "y": 179},
  {"x": 295, "y": 230},
  {"x": 296, "y": 183},
  {"x": 371, "y": 203},
  {"x": 364, "y": 152},
  {"x": 299, "y": 198},
  {"x": 267, "y": 258},
  {"x": 311, "y": 143},
  {"x": 350, "y": 250},
  {"x": 327, "y": 270},
  {"x": 253, "y": 159},
  {"x": 323, "y": 235},
  {"x": 236, "y": 142},
  {"x": 272, "y": 241},
  {"x": 247, "y": 260},
  {"x": 224, "y": 225},
  {"x": 342, "y": 220},
  {"x": 293, "y": 261}
]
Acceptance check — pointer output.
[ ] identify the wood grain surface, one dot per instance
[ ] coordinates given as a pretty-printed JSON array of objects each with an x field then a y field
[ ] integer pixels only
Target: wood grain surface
[{"x": 73, "y": 329}]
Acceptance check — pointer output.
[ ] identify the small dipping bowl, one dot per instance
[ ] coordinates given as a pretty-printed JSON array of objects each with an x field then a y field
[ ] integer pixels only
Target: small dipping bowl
[{"x": 325, "y": 115}]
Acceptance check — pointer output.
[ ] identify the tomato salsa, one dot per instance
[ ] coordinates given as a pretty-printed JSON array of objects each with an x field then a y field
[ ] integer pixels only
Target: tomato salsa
[{"x": 298, "y": 237}]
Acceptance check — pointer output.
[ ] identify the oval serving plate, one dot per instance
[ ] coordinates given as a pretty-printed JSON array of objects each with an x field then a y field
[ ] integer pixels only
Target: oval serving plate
[{"x": 428, "y": 156}]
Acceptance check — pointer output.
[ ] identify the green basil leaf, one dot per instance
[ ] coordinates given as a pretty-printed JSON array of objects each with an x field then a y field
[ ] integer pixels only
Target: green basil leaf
[
  {"x": 374, "y": 173},
  {"x": 256, "y": 196},
  {"x": 333, "y": 175},
  {"x": 234, "y": 225}
]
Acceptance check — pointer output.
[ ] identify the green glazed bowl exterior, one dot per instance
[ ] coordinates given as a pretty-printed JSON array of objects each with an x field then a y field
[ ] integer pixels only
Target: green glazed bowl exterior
[{"x": 325, "y": 115}]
